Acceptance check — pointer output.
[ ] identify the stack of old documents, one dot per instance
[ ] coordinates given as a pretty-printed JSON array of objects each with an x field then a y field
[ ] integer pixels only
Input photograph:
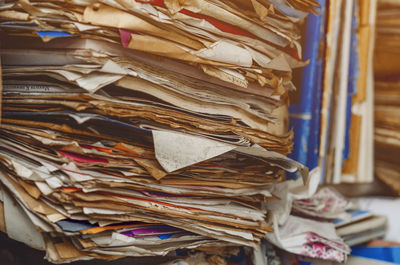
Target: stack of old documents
[
  {"x": 387, "y": 94},
  {"x": 353, "y": 225},
  {"x": 136, "y": 128}
]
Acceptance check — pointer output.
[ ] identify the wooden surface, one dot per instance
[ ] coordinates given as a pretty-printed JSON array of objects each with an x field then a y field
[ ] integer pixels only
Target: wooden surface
[{"x": 376, "y": 188}]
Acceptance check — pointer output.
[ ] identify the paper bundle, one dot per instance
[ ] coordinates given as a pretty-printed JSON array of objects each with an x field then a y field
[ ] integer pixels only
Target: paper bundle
[
  {"x": 240, "y": 42},
  {"x": 325, "y": 204},
  {"x": 387, "y": 95},
  {"x": 353, "y": 225},
  {"x": 141, "y": 127},
  {"x": 303, "y": 221},
  {"x": 309, "y": 238}
]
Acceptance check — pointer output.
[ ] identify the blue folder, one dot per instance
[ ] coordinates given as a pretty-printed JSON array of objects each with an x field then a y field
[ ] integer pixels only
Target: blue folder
[
  {"x": 354, "y": 72},
  {"x": 306, "y": 108}
]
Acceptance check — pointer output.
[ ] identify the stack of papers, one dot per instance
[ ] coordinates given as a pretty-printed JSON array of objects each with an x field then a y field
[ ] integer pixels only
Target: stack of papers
[
  {"x": 299, "y": 224},
  {"x": 234, "y": 41},
  {"x": 353, "y": 225},
  {"x": 325, "y": 204},
  {"x": 361, "y": 227},
  {"x": 387, "y": 94},
  {"x": 310, "y": 238},
  {"x": 136, "y": 128}
]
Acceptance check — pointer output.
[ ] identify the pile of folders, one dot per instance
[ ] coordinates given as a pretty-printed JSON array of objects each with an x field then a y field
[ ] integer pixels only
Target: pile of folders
[{"x": 136, "y": 128}]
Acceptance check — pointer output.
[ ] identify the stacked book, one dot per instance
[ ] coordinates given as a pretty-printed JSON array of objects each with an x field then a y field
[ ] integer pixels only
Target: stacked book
[
  {"x": 137, "y": 128},
  {"x": 335, "y": 107},
  {"x": 332, "y": 112}
]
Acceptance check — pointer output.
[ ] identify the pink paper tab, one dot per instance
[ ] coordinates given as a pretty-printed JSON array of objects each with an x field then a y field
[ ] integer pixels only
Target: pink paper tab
[
  {"x": 125, "y": 37},
  {"x": 80, "y": 158}
]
